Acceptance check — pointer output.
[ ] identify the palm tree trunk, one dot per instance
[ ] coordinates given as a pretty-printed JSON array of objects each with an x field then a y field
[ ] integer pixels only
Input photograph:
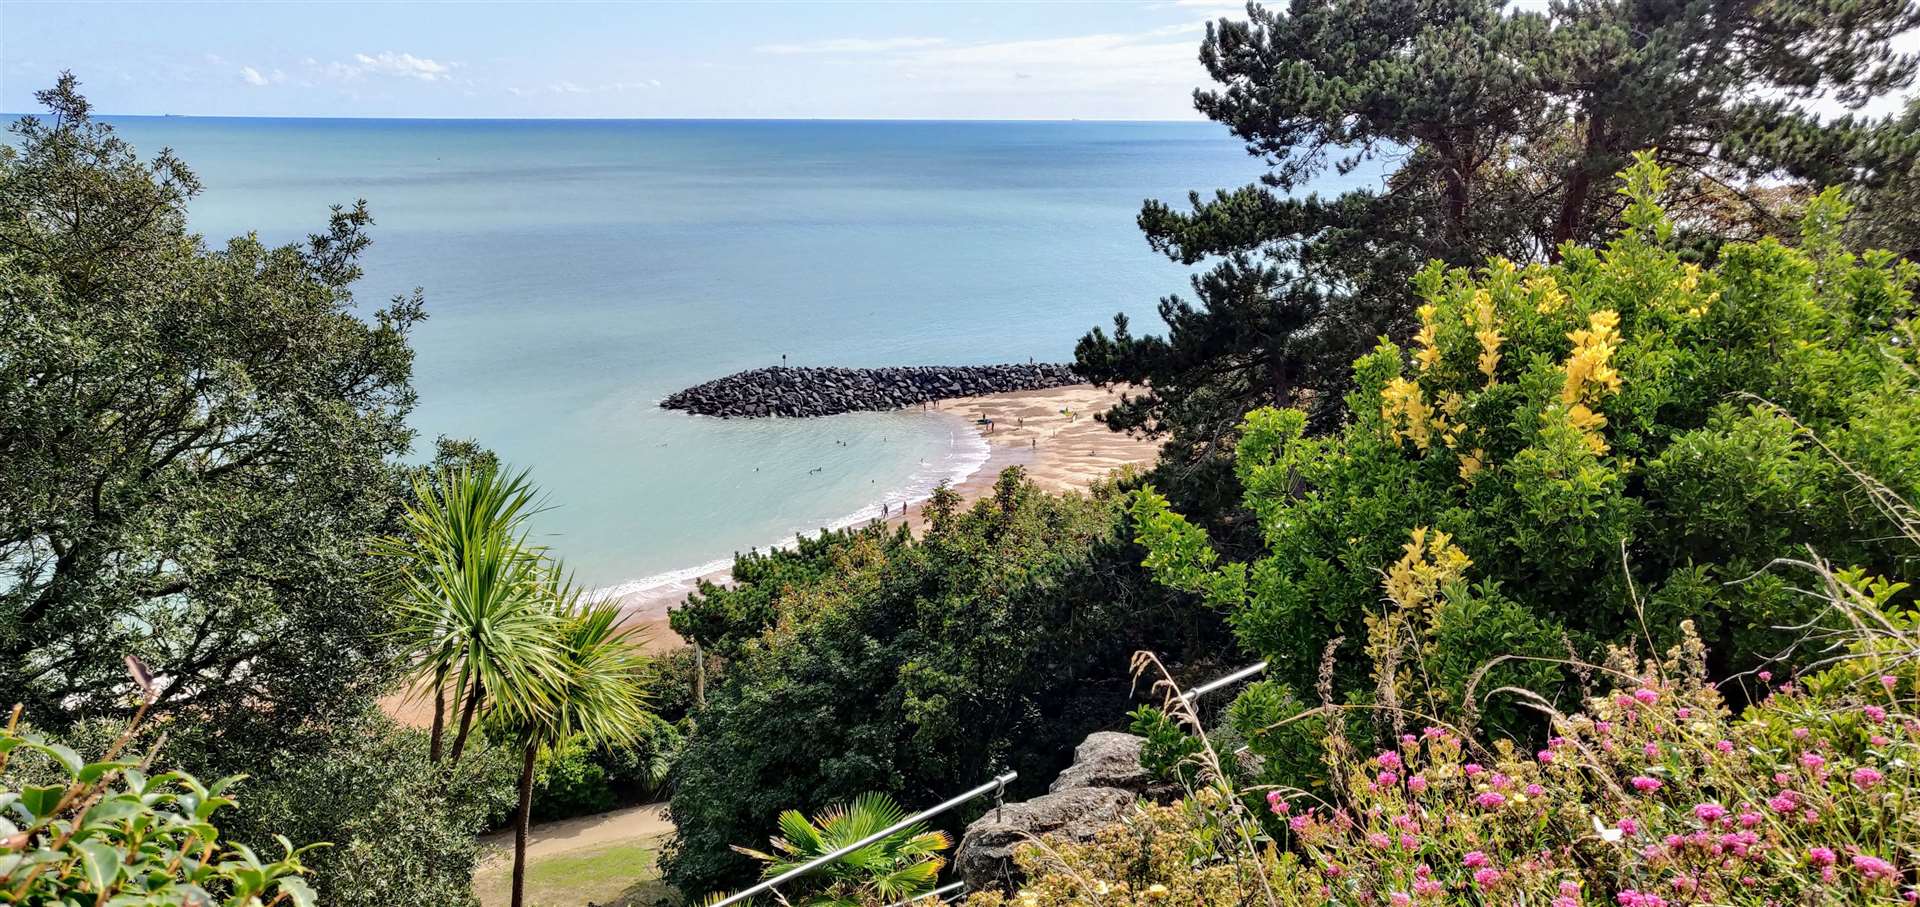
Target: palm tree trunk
[
  {"x": 466, "y": 719},
  {"x": 520, "y": 822},
  {"x": 439, "y": 717}
]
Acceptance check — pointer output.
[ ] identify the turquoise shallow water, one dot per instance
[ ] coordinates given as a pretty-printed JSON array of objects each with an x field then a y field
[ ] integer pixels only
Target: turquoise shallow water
[{"x": 578, "y": 271}]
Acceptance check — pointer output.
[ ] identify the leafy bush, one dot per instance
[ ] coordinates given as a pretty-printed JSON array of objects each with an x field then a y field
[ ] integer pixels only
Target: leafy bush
[
  {"x": 404, "y": 831},
  {"x": 570, "y": 782},
  {"x": 1602, "y": 440},
  {"x": 869, "y": 660},
  {"x": 107, "y": 832},
  {"x": 902, "y": 866}
]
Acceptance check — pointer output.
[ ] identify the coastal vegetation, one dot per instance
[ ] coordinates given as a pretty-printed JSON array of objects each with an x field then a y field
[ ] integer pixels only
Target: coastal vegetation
[
  {"x": 1574, "y": 454},
  {"x": 872, "y": 660},
  {"x": 1497, "y": 129},
  {"x": 1561, "y": 481},
  {"x": 898, "y": 867}
]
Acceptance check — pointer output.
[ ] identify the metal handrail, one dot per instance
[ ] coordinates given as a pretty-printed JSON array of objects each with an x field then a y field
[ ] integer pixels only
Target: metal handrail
[
  {"x": 941, "y": 892},
  {"x": 1217, "y": 683},
  {"x": 999, "y": 783}
]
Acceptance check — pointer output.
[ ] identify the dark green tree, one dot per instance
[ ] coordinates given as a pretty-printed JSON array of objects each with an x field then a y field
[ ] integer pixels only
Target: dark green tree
[
  {"x": 195, "y": 444},
  {"x": 1492, "y": 125},
  {"x": 874, "y": 661}
]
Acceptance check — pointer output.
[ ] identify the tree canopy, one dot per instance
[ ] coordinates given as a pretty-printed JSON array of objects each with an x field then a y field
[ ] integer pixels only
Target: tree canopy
[
  {"x": 1492, "y": 124},
  {"x": 195, "y": 443}
]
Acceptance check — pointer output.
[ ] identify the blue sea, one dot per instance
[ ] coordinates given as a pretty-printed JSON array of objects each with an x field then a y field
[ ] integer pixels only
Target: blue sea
[{"x": 577, "y": 271}]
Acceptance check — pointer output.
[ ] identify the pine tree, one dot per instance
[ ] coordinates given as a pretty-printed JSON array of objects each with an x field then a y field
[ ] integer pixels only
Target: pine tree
[{"x": 1497, "y": 127}]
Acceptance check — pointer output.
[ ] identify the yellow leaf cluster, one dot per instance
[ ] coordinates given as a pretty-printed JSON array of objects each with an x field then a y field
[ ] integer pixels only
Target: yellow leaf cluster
[
  {"x": 1431, "y": 560},
  {"x": 1406, "y": 411},
  {"x": 1591, "y": 376},
  {"x": 1428, "y": 350},
  {"x": 1486, "y": 328}
]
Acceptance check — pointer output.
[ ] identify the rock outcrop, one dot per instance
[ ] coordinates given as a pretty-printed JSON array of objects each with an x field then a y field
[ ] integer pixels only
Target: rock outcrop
[
  {"x": 783, "y": 391},
  {"x": 1103, "y": 783},
  {"x": 1106, "y": 759},
  {"x": 985, "y": 856}
]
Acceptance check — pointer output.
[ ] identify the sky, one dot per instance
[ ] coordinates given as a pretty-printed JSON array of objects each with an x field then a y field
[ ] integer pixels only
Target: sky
[{"x": 940, "y": 60}]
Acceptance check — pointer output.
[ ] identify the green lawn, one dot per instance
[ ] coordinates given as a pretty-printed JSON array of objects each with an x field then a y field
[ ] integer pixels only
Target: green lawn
[{"x": 615, "y": 875}]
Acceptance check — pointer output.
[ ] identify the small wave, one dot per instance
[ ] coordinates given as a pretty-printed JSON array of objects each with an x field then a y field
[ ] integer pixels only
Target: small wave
[{"x": 967, "y": 452}]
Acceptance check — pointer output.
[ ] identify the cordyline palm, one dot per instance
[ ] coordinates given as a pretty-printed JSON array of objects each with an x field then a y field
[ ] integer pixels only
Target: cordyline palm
[
  {"x": 475, "y": 613},
  {"x": 900, "y": 866},
  {"x": 598, "y": 695}
]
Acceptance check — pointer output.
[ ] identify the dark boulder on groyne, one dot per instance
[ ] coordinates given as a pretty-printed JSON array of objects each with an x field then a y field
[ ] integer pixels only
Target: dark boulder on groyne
[{"x": 783, "y": 391}]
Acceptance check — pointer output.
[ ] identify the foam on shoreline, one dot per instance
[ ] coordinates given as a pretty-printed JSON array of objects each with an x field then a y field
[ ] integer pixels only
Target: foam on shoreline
[{"x": 967, "y": 452}]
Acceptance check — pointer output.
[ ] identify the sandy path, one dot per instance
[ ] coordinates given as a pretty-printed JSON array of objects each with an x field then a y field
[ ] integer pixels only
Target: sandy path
[{"x": 549, "y": 839}]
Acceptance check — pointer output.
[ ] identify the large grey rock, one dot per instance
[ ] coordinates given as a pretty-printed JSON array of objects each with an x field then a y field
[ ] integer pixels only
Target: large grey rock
[
  {"x": 1106, "y": 759},
  {"x": 985, "y": 856}
]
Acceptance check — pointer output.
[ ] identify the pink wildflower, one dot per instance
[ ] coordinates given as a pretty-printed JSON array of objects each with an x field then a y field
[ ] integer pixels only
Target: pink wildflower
[
  {"x": 1486, "y": 878},
  {"x": 1821, "y": 856},
  {"x": 1535, "y": 790},
  {"x": 1279, "y": 806},
  {"x": 1865, "y": 777},
  {"x": 1646, "y": 696},
  {"x": 1724, "y": 746},
  {"x": 1874, "y": 868},
  {"x": 1875, "y": 713},
  {"x": 1491, "y": 800},
  {"x": 1474, "y": 859},
  {"x": 1645, "y": 784},
  {"x": 1417, "y": 784},
  {"x": 1709, "y": 812},
  {"x": 1388, "y": 759}
]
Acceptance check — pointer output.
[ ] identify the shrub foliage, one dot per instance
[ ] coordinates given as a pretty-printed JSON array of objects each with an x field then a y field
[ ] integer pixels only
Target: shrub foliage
[{"x": 1581, "y": 453}]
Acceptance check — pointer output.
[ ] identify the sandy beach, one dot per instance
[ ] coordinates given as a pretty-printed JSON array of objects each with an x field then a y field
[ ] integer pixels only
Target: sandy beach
[{"x": 1051, "y": 433}]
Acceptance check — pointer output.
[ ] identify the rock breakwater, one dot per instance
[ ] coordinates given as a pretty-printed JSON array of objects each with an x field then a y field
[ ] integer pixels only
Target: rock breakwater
[{"x": 783, "y": 391}]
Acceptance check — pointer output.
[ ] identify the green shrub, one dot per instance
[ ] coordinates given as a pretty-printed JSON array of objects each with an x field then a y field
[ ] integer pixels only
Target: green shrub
[
  {"x": 1602, "y": 440},
  {"x": 404, "y": 831},
  {"x": 110, "y": 832},
  {"x": 873, "y": 661},
  {"x": 570, "y": 782}
]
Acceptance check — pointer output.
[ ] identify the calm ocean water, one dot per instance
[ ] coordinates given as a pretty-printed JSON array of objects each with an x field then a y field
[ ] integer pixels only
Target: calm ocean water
[{"x": 578, "y": 271}]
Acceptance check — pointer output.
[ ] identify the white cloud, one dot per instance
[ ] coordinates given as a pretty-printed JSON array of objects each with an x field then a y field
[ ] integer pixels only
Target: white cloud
[
  {"x": 851, "y": 46},
  {"x": 388, "y": 63},
  {"x": 1239, "y": 6},
  {"x": 385, "y": 63},
  {"x": 252, "y": 76}
]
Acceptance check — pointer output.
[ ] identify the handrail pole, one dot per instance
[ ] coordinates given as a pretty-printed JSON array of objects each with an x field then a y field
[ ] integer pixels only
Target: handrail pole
[
  {"x": 941, "y": 892},
  {"x": 1211, "y": 685},
  {"x": 824, "y": 859}
]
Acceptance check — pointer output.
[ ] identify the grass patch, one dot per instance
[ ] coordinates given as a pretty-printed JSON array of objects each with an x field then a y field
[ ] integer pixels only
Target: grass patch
[{"x": 626, "y": 874}]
